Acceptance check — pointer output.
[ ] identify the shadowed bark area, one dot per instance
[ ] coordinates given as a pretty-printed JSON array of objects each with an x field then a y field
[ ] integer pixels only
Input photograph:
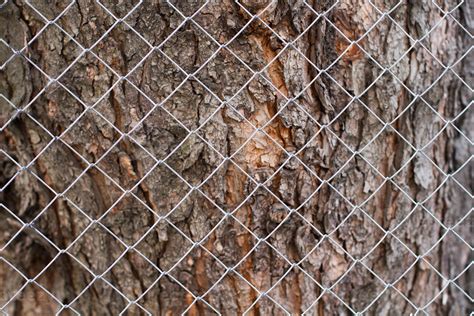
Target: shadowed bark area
[{"x": 345, "y": 155}]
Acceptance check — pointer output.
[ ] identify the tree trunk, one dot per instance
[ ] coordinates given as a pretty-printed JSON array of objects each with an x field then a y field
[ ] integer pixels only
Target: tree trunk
[{"x": 227, "y": 171}]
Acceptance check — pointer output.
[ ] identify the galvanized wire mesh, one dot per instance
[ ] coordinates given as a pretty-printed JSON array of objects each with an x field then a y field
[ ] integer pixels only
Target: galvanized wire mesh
[{"x": 261, "y": 130}]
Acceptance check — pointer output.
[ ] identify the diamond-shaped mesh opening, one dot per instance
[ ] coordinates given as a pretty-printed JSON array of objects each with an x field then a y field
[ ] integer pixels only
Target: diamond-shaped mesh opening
[
  {"x": 122, "y": 219},
  {"x": 390, "y": 165},
  {"x": 362, "y": 135},
  {"x": 388, "y": 105},
  {"x": 96, "y": 20},
  {"x": 97, "y": 239},
  {"x": 243, "y": 107},
  {"x": 83, "y": 79},
  {"x": 122, "y": 49},
  {"x": 186, "y": 160},
  {"x": 279, "y": 66},
  {"x": 54, "y": 107},
  {"x": 236, "y": 181},
  {"x": 98, "y": 137},
  {"x": 383, "y": 28},
  {"x": 55, "y": 218},
  {"x": 131, "y": 285},
  {"x": 42, "y": 43},
  {"x": 60, "y": 271},
  {"x": 115, "y": 111},
  {"x": 171, "y": 193},
  {"x": 167, "y": 134},
  {"x": 329, "y": 220},
  {"x": 153, "y": 245},
  {"x": 268, "y": 273},
  {"x": 362, "y": 293},
  {"x": 222, "y": 29},
  {"x": 17, "y": 203},
  {"x": 188, "y": 60},
  {"x": 357, "y": 168},
  {"x": 427, "y": 74},
  {"x": 414, "y": 241},
  {"x": 195, "y": 260},
  {"x": 285, "y": 187},
  {"x": 436, "y": 96},
  {"x": 263, "y": 152},
  {"x": 283, "y": 289},
  {"x": 10, "y": 36},
  {"x": 304, "y": 238},
  {"x": 242, "y": 44},
  {"x": 327, "y": 255},
  {"x": 148, "y": 20},
  {"x": 361, "y": 226},
  {"x": 418, "y": 108},
  {"x": 439, "y": 49},
  {"x": 132, "y": 162},
  {"x": 390, "y": 270},
  {"x": 424, "y": 170},
  {"x": 224, "y": 86},
  {"x": 157, "y": 77},
  {"x": 199, "y": 107},
  {"x": 235, "y": 157},
  {"x": 59, "y": 153},
  {"x": 222, "y": 291},
  {"x": 87, "y": 186},
  {"x": 261, "y": 212},
  {"x": 207, "y": 221},
  {"x": 223, "y": 249}
]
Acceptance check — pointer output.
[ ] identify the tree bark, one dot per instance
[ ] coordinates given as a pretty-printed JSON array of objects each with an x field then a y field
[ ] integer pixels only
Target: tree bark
[{"x": 344, "y": 154}]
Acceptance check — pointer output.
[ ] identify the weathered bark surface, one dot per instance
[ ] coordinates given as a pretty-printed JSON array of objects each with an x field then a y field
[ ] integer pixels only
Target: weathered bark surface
[{"x": 229, "y": 188}]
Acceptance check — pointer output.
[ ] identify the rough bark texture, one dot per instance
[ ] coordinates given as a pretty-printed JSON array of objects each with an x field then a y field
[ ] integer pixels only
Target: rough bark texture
[{"x": 162, "y": 190}]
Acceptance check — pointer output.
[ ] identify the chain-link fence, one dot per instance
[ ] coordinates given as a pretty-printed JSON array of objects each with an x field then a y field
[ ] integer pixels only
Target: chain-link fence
[{"x": 124, "y": 15}]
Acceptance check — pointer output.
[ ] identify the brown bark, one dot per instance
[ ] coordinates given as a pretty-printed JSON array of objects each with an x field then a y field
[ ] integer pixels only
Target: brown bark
[{"x": 322, "y": 130}]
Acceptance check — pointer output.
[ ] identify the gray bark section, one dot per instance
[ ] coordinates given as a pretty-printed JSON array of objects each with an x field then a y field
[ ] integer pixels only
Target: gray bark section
[{"x": 126, "y": 163}]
